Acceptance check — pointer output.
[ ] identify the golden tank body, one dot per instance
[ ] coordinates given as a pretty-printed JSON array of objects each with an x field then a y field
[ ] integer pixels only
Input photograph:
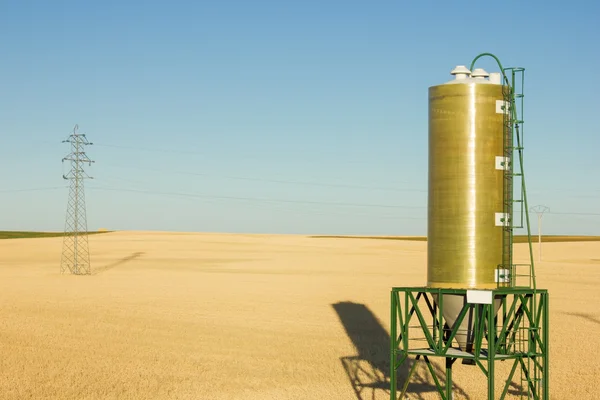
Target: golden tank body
[{"x": 465, "y": 184}]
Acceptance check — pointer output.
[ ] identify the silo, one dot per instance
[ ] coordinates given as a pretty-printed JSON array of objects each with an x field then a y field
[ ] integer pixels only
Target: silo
[
  {"x": 466, "y": 181},
  {"x": 466, "y": 186},
  {"x": 474, "y": 295}
]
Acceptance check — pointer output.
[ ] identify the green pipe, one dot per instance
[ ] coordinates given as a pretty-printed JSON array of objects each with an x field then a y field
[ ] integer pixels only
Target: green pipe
[
  {"x": 520, "y": 153},
  {"x": 495, "y": 58},
  {"x": 507, "y": 238}
]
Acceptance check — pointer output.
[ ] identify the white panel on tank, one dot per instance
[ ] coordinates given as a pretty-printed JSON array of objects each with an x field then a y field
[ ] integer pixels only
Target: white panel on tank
[
  {"x": 479, "y": 296},
  {"x": 502, "y": 275},
  {"x": 502, "y": 219},
  {"x": 502, "y": 163},
  {"x": 502, "y": 107}
]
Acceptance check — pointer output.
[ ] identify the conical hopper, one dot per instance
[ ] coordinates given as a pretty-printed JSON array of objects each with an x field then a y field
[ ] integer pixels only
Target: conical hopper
[{"x": 452, "y": 305}]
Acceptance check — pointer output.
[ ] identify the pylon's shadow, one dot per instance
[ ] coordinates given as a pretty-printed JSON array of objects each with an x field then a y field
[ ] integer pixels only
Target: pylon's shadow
[
  {"x": 123, "y": 260},
  {"x": 369, "y": 370}
]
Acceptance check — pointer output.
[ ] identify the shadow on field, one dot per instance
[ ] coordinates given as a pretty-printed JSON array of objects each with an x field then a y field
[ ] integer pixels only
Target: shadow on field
[
  {"x": 585, "y": 316},
  {"x": 123, "y": 260},
  {"x": 369, "y": 370}
]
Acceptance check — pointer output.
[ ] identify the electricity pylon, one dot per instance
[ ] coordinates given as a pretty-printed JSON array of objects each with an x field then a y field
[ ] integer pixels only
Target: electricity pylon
[
  {"x": 75, "y": 255},
  {"x": 539, "y": 210}
]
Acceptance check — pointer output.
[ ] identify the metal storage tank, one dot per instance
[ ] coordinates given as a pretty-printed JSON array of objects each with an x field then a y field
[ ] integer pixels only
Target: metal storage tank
[
  {"x": 466, "y": 180},
  {"x": 466, "y": 188}
]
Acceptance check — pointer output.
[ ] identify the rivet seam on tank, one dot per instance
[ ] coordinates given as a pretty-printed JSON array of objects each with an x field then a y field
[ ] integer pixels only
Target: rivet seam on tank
[
  {"x": 502, "y": 219},
  {"x": 502, "y": 107},
  {"x": 502, "y": 275},
  {"x": 502, "y": 163}
]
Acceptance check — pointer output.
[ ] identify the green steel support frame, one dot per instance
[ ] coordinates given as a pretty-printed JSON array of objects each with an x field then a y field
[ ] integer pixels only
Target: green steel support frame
[{"x": 513, "y": 328}]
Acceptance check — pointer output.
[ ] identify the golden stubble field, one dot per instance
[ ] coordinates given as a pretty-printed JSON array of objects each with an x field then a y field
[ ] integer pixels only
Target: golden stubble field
[{"x": 219, "y": 316}]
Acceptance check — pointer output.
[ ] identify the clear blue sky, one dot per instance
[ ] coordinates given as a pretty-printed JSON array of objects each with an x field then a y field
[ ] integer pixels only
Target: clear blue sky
[{"x": 207, "y": 111}]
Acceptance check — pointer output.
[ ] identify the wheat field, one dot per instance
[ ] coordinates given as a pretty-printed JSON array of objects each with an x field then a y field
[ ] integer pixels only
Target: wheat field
[{"x": 223, "y": 316}]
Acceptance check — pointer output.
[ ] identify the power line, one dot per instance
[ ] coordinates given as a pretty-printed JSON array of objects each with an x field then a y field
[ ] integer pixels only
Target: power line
[
  {"x": 260, "y": 201},
  {"x": 281, "y": 181},
  {"x": 257, "y": 199},
  {"x": 149, "y": 149},
  {"x": 32, "y": 189},
  {"x": 245, "y": 178},
  {"x": 276, "y": 207},
  {"x": 275, "y": 200},
  {"x": 245, "y": 198},
  {"x": 324, "y": 184},
  {"x": 189, "y": 152},
  {"x": 574, "y": 213},
  {"x": 198, "y": 153},
  {"x": 272, "y": 202}
]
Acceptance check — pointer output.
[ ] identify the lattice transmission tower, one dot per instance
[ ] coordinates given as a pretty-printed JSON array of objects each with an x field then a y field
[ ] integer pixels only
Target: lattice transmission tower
[{"x": 75, "y": 254}]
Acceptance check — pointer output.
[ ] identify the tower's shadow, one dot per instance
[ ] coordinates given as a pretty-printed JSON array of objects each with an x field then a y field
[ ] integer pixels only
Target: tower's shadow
[{"x": 369, "y": 370}]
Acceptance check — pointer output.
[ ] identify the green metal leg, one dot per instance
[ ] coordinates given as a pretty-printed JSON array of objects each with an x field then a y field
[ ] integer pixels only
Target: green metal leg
[
  {"x": 449, "y": 363},
  {"x": 491, "y": 350},
  {"x": 546, "y": 336},
  {"x": 393, "y": 344}
]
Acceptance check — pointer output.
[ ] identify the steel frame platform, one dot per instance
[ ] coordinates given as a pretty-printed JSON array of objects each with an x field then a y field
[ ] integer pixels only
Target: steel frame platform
[{"x": 513, "y": 327}]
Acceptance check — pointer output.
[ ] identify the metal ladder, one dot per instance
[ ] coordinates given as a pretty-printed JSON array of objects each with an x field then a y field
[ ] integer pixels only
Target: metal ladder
[
  {"x": 514, "y": 80},
  {"x": 531, "y": 373}
]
